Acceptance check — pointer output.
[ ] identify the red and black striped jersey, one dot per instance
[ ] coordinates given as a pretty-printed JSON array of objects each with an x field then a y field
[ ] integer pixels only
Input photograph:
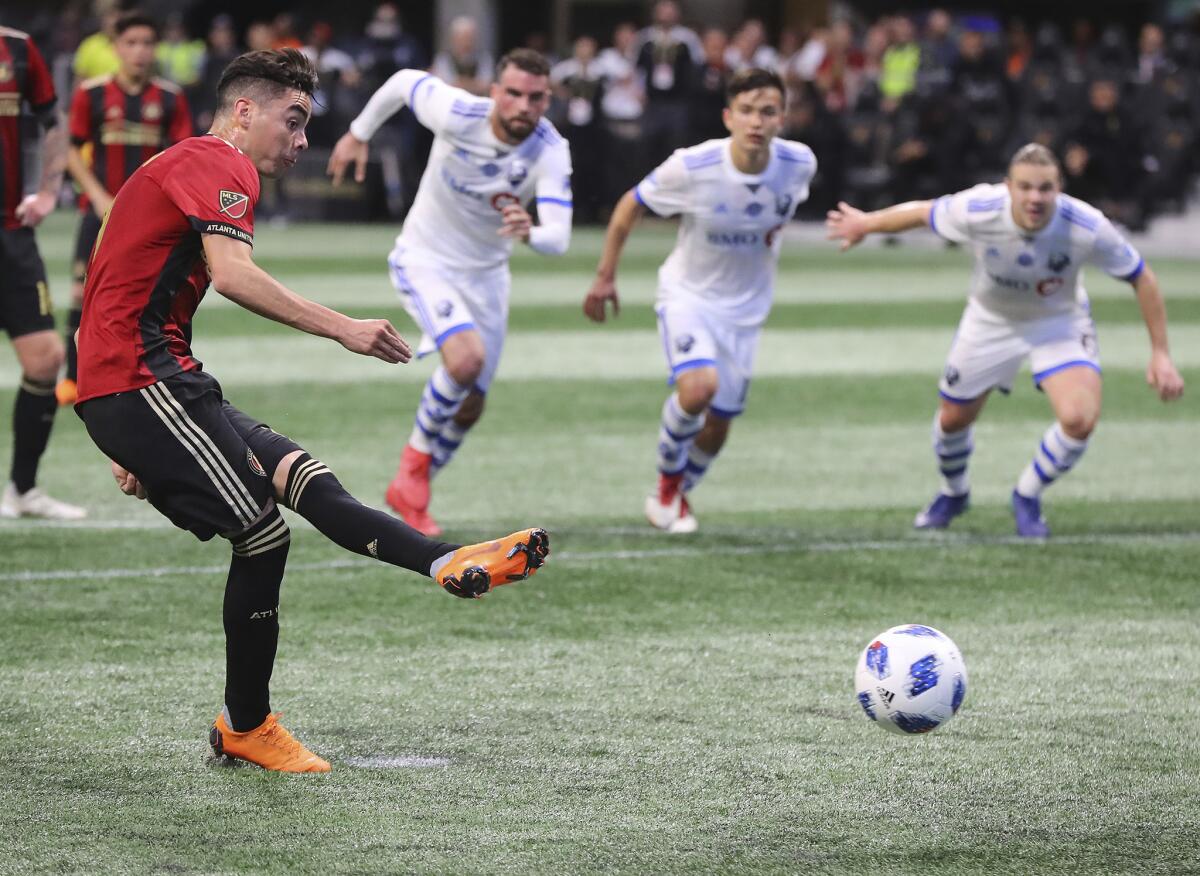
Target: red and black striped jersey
[
  {"x": 25, "y": 89},
  {"x": 126, "y": 130},
  {"x": 147, "y": 274}
]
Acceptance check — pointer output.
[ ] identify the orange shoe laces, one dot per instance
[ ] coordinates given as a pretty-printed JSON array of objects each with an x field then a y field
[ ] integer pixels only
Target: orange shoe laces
[{"x": 274, "y": 733}]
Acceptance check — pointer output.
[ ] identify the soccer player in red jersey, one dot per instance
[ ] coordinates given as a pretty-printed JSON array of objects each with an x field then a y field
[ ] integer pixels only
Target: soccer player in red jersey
[
  {"x": 117, "y": 123},
  {"x": 186, "y": 218},
  {"x": 26, "y": 312}
]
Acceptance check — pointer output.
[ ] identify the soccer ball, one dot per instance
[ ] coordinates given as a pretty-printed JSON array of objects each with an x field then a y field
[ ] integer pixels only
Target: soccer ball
[{"x": 911, "y": 679}]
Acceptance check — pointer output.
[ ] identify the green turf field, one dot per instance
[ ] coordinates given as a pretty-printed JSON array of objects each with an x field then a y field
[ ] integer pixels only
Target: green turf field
[{"x": 645, "y": 704}]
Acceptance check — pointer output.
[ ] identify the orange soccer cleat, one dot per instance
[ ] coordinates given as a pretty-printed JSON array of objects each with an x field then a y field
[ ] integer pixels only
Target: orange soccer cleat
[
  {"x": 408, "y": 493},
  {"x": 66, "y": 392},
  {"x": 269, "y": 745},
  {"x": 475, "y": 569}
]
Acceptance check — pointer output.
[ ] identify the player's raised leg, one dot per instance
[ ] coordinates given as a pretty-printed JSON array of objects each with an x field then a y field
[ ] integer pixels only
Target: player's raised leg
[
  {"x": 953, "y": 443},
  {"x": 1075, "y": 394},
  {"x": 40, "y": 355}
]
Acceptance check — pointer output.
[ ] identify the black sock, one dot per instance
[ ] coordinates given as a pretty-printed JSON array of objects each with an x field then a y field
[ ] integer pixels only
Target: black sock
[
  {"x": 33, "y": 417},
  {"x": 251, "y": 616},
  {"x": 73, "y": 317},
  {"x": 316, "y": 495}
]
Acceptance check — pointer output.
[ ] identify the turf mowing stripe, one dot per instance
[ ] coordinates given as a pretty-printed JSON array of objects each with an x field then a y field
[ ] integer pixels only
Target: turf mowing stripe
[{"x": 939, "y": 541}]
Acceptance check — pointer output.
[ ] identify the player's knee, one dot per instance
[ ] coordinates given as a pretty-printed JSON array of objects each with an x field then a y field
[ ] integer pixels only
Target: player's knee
[
  {"x": 279, "y": 478},
  {"x": 465, "y": 367},
  {"x": 1080, "y": 423},
  {"x": 269, "y": 532},
  {"x": 955, "y": 417},
  {"x": 41, "y": 359},
  {"x": 697, "y": 389}
]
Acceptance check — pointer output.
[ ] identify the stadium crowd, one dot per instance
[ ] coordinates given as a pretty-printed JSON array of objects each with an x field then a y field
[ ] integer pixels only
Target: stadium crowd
[{"x": 905, "y": 106}]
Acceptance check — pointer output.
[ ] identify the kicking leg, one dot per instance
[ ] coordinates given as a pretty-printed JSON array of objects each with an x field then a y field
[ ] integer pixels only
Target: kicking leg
[
  {"x": 683, "y": 417},
  {"x": 1075, "y": 395}
]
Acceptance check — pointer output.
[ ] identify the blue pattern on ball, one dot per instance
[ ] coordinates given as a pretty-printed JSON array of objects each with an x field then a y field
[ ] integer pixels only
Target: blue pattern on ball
[
  {"x": 864, "y": 700},
  {"x": 923, "y": 675},
  {"x": 960, "y": 691},
  {"x": 914, "y": 723},
  {"x": 877, "y": 660},
  {"x": 919, "y": 630}
]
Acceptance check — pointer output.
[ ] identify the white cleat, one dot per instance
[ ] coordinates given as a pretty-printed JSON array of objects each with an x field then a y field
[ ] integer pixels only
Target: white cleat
[
  {"x": 35, "y": 503},
  {"x": 667, "y": 508}
]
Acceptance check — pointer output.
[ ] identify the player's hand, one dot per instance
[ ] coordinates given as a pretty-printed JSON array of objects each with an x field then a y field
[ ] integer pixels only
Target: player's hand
[
  {"x": 127, "y": 483},
  {"x": 34, "y": 208},
  {"x": 375, "y": 337},
  {"x": 1163, "y": 377},
  {"x": 847, "y": 224},
  {"x": 517, "y": 223},
  {"x": 101, "y": 206},
  {"x": 602, "y": 292},
  {"x": 348, "y": 149}
]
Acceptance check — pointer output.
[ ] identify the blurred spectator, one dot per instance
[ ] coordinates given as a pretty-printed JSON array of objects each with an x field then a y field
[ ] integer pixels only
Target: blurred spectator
[
  {"x": 221, "y": 49},
  {"x": 540, "y": 43},
  {"x": 841, "y": 72},
  {"x": 749, "y": 48},
  {"x": 1077, "y": 57},
  {"x": 1020, "y": 49},
  {"x": 95, "y": 55},
  {"x": 1151, "y": 59},
  {"x": 260, "y": 35},
  {"x": 336, "y": 72},
  {"x": 898, "y": 68},
  {"x": 708, "y": 94},
  {"x": 579, "y": 86},
  {"x": 622, "y": 105},
  {"x": 804, "y": 64},
  {"x": 180, "y": 59},
  {"x": 284, "y": 28},
  {"x": 875, "y": 44},
  {"x": 667, "y": 59},
  {"x": 811, "y": 123},
  {"x": 1104, "y": 156},
  {"x": 464, "y": 64},
  {"x": 980, "y": 87},
  {"x": 939, "y": 51}
]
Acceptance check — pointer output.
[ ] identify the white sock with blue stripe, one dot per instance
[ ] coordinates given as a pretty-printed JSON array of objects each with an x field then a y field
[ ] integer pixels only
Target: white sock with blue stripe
[
  {"x": 953, "y": 451},
  {"x": 1055, "y": 456},
  {"x": 675, "y": 435},
  {"x": 447, "y": 441},
  {"x": 696, "y": 466},
  {"x": 439, "y": 402}
]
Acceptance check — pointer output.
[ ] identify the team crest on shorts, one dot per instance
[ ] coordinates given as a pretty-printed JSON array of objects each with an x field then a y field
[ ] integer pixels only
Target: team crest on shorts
[
  {"x": 683, "y": 343},
  {"x": 445, "y": 307},
  {"x": 255, "y": 465},
  {"x": 952, "y": 375},
  {"x": 233, "y": 204}
]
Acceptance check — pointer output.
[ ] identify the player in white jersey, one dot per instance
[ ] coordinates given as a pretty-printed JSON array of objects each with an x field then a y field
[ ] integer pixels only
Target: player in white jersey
[
  {"x": 1027, "y": 300},
  {"x": 491, "y": 157},
  {"x": 715, "y": 289}
]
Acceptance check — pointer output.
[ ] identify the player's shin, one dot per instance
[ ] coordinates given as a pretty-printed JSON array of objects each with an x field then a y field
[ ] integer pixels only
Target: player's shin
[
  {"x": 251, "y": 618},
  {"x": 1055, "y": 456},
  {"x": 445, "y": 446},
  {"x": 696, "y": 467},
  {"x": 440, "y": 400},
  {"x": 33, "y": 418},
  {"x": 315, "y": 493},
  {"x": 953, "y": 450},
  {"x": 676, "y": 432}
]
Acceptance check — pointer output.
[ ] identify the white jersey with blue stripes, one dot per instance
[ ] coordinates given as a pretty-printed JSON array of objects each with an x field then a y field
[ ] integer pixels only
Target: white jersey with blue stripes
[
  {"x": 727, "y": 249},
  {"x": 471, "y": 175},
  {"x": 1022, "y": 275}
]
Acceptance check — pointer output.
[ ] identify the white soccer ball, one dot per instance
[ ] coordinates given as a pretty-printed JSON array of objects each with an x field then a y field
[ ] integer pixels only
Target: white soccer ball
[{"x": 911, "y": 679}]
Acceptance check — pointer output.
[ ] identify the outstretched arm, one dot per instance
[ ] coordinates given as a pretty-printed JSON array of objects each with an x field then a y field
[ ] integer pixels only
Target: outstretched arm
[
  {"x": 1161, "y": 373},
  {"x": 399, "y": 91},
  {"x": 850, "y": 225},
  {"x": 604, "y": 288},
  {"x": 235, "y": 276}
]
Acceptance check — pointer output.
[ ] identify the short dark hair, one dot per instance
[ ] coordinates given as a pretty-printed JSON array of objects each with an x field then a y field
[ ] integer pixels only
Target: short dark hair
[
  {"x": 524, "y": 59},
  {"x": 135, "y": 18},
  {"x": 266, "y": 74},
  {"x": 752, "y": 79}
]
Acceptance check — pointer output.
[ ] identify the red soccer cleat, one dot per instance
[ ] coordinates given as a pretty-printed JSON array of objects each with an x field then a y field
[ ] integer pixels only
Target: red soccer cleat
[{"x": 408, "y": 493}]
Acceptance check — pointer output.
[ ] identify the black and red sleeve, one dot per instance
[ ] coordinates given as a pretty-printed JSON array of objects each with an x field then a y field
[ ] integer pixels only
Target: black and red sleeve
[{"x": 39, "y": 84}]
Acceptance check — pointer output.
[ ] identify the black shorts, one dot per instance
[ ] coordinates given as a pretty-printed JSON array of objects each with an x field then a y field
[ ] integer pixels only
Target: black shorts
[
  {"x": 204, "y": 464},
  {"x": 25, "y": 305},
  {"x": 85, "y": 239}
]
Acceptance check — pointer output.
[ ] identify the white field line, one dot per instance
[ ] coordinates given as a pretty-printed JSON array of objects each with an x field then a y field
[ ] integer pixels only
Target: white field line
[{"x": 941, "y": 542}]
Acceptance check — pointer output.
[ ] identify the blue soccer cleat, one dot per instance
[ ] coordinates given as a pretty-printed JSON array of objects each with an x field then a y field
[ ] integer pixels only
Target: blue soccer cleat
[
  {"x": 1027, "y": 511},
  {"x": 942, "y": 510}
]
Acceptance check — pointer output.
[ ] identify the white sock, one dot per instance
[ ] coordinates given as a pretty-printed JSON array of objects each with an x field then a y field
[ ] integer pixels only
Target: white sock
[
  {"x": 445, "y": 444},
  {"x": 675, "y": 435},
  {"x": 440, "y": 400},
  {"x": 697, "y": 464},
  {"x": 1055, "y": 456},
  {"x": 953, "y": 451}
]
